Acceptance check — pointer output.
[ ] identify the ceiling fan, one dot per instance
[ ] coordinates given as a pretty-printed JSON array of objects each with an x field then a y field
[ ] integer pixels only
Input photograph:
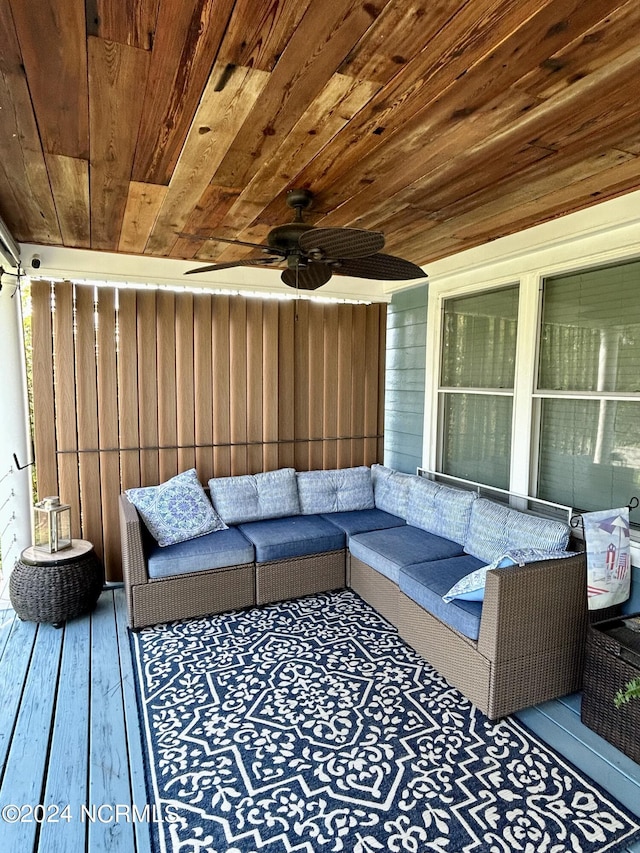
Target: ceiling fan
[{"x": 312, "y": 255}]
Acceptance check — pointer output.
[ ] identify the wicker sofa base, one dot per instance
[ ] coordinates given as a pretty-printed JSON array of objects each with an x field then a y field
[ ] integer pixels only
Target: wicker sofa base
[
  {"x": 282, "y": 579},
  {"x": 376, "y": 589},
  {"x": 514, "y": 664},
  {"x": 191, "y": 595}
]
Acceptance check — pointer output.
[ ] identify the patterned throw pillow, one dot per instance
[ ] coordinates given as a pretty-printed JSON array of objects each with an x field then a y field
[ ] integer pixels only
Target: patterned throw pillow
[
  {"x": 471, "y": 586},
  {"x": 176, "y": 510}
]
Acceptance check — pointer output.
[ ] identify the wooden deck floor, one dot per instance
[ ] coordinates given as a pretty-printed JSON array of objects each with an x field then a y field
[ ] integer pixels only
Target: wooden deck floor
[{"x": 69, "y": 736}]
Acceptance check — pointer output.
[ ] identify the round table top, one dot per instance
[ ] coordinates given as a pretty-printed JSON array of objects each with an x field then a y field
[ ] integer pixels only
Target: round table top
[{"x": 36, "y": 557}]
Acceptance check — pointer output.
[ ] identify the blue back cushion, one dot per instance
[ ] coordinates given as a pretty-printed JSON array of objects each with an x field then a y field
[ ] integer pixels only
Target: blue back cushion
[
  {"x": 391, "y": 489},
  {"x": 440, "y": 509},
  {"x": 495, "y": 529},
  {"x": 254, "y": 497},
  {"x": 340, "y": 490}
]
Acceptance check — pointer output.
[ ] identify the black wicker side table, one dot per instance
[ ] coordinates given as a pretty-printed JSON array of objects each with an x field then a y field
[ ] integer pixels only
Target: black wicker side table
[
  {"x": 613, "y": 659},
  {"x": 55, "y": 587}
]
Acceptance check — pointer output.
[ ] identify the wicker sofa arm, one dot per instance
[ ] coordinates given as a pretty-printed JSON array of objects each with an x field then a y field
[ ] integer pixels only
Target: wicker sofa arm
[
  {"x": 134, "y": 564},
  {"x": 531, "y": 609}
]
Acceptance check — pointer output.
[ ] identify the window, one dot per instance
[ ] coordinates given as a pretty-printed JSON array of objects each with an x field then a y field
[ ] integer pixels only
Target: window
[
  {"x": 476, "y": 385},
  {"x": 588, "y": 388}
]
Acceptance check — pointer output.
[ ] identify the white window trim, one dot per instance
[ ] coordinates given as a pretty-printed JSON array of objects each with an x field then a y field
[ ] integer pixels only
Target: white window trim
[{"x": 606, "y": 234}]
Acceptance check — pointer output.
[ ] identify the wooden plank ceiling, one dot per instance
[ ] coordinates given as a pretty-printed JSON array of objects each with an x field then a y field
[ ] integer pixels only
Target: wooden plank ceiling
[{"x": 443, "y": 123}]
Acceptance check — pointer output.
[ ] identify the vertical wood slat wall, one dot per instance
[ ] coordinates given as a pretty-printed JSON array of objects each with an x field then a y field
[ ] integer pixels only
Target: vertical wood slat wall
[{"x": 133, "y": 386}]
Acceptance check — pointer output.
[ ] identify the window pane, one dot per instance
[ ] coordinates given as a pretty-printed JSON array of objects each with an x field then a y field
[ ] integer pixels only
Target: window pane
[
  {"x": 477, "y": 437},
  {"x": 479, "y": 340},
  {"x": 590, "y": 453},
  {"x": 591, "y": 331}
]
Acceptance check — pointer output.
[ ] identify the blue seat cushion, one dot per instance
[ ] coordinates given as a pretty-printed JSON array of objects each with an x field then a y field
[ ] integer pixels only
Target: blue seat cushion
[
  {"x": 389, "y": 550},
  {"x": 426, "y": 583},
  {"x": 363, "y": 520},
  {"x": 296, "y": 536},
  {"x": 213, "y": 551}
]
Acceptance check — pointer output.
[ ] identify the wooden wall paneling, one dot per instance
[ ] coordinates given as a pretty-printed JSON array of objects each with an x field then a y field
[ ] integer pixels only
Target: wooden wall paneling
[
  {"x": 44, "y": 432},
  {"x": 372, "y": 390},
  {"x": 108, "y": 426},
  {"x": 238, "y": 384},
  {"x": 69, "y": 178},
  {"x": 221, "y": 367},
  {"x": 128, "y": 406},
  {"x": 345, "y": 331},
  {"x": 316, "y": 384},
  {"x": 286, "y": 384},
  {"x": 166, "y": 361},
  {"x": 65, "y": 401},
  {"x": 203, "y": 385},
  {"x": 185, "y": 382},
  {"x": 381, "y": 378},
  {"x": 117, "y": 75},
  {"x": 301, "y": 385},
  {"x": 87, "y": 397},
  {"x": 255, "y": 385},
  {"x": 147, "y": 388},
  {"x": 358, "y": 381},
  {"x": 330, "y": 387},
  {"x": 270, "y": 383}
]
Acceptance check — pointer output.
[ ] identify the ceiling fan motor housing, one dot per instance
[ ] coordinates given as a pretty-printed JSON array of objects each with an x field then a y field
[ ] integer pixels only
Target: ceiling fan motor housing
[{"x": 285, "y": 237}]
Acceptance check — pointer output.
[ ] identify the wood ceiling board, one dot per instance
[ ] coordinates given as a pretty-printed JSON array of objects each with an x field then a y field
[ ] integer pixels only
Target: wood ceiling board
[
  {"x": 456, "y": 109},
  {"x": 590, "y": 51},
  {"x": 325, "y": 35},
  {"x": 116, "y": 75},
  {"x": 26, "y": 199},
  {"x": 472, "y": 35},
  {"x": 205, "y": 218},
  {"x": 141, "y": 211},
  {"x": 338, "y": 102},
  {"x": 531, "y": 203},
  {"x": 69, "y": 179},
  {"x": 52, "y": 41},
  {"x": 590, "y": 128},
  {"x": 258, "y": 32},
  {"x": 215, "y": 126},
  {"x": 187, "y": 39},
  {"x": 132, "y": 22},
  {"x": 399, "y": 34}
]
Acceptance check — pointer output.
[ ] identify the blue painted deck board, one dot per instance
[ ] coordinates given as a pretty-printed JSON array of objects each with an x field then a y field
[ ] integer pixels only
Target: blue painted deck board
[
  {"x": 67, "y": 777},
  {"x": 134, "y": 746},
  {"x": 13, "y": 674},
  {"x": 109, "y": 779},
  {"x": 93, "y": 729},
  {"x": 23, "y": 780}
]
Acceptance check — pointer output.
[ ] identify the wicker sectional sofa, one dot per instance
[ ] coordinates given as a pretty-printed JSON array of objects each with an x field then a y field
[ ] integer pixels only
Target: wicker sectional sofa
[{"x": 400, "y": 541}]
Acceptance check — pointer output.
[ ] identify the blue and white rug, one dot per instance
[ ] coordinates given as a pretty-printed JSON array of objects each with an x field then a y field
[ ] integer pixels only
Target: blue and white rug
[{"x": 311, "y": 726}]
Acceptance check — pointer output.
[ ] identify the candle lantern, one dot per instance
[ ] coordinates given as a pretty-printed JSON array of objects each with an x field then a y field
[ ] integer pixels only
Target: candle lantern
[{"x": 52, "y": 525}]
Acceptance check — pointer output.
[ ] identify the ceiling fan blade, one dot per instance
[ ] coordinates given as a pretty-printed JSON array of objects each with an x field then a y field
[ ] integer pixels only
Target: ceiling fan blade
[
  {"x": 380, "y": 266},
  {"x": 247, "y": 262},
  {"x": 341, "y": 242},
  {"x": 262, "y": 246},
  {"x": 311, "y": 277}
]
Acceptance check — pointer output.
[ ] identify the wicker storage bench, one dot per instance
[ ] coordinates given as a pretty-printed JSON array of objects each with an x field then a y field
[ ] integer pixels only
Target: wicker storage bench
[{"x": 612, "y": 660}]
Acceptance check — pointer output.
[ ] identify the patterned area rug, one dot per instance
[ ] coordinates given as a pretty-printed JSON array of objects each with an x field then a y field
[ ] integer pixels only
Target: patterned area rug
[{"x": 310, "y": 726}]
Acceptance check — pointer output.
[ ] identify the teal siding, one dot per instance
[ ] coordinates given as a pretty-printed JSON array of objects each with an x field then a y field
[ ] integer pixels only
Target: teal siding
[{"x": 405, "y": 378}]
